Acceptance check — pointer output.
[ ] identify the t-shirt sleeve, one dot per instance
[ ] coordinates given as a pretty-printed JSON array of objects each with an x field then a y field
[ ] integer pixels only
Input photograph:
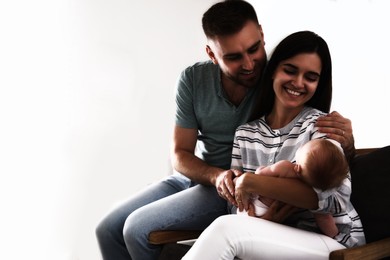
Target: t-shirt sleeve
[{"x": 184, "y": 97}]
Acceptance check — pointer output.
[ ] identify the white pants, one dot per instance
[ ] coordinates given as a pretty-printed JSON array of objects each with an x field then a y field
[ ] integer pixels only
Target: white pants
[{"x": 244, "y": 237}]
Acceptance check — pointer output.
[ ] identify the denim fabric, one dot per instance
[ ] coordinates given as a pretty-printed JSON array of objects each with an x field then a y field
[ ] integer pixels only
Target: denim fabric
[{"x": 174, "y": 203}]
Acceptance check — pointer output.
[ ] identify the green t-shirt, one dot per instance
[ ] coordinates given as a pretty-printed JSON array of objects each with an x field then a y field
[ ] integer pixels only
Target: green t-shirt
[{"x": 201, "y": 104}]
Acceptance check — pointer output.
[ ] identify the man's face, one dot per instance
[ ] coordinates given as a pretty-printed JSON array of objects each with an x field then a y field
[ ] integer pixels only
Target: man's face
[{"x": 240, "y": 56}]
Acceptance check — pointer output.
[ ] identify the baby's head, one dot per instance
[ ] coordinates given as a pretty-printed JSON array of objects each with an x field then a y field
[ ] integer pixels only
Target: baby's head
[{"x": 322, "y": 164}]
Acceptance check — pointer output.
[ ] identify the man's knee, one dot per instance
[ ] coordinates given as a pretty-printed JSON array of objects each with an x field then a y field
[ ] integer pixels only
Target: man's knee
[
  {"x": 105, "y": 229},
  {"x": 135, "y": 229}
]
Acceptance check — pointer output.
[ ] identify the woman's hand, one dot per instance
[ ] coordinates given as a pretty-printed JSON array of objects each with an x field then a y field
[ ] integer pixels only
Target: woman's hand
[
  {"x": 242, "y": 197},
  {"x": 338, "y": 128}
]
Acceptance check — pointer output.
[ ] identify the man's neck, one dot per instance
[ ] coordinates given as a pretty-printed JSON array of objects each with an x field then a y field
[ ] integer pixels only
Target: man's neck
[{"x": 235, "y": 92}]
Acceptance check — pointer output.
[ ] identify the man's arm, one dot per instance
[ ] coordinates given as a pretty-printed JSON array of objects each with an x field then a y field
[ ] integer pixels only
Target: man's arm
[
  {"x": 186, "y": 162},
  {"x": 338, "y": 128}
]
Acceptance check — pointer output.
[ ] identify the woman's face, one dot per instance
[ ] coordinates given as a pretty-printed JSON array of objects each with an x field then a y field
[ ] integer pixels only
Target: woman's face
[{"x": 296, "y": 79}]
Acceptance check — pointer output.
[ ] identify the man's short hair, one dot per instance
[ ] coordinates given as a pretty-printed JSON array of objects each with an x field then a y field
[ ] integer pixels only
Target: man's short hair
[{"x": 227, "y": 17}]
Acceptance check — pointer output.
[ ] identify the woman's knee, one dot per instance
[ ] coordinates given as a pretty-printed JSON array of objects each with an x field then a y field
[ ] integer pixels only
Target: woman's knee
[{"x": 223, "y": 224}]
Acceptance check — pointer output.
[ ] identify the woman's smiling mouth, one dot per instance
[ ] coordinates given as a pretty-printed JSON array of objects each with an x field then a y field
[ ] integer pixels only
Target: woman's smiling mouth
[{"x": 292, "y": 92}]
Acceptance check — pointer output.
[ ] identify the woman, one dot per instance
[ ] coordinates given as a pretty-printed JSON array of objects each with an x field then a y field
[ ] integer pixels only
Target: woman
[{"x": 296, "y": 90}]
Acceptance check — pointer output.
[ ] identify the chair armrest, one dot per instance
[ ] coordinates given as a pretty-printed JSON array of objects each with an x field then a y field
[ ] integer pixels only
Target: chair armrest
[
  {"x": 161, "y": 237},
  {"x": 362, "y": 151},
  {"x": 374, "y": 250}
]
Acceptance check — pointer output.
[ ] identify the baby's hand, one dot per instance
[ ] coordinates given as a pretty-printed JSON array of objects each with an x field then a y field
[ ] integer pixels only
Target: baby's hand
[
  {"x": 251, "y": 210},
  {"x": 258, "y": 170}
]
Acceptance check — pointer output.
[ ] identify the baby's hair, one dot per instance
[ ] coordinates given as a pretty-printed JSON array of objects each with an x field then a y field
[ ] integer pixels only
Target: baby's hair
[{"x": 326, "y": 164}]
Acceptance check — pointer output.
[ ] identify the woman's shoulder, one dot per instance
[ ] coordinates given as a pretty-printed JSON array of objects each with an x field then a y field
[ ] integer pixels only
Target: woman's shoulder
[
  {"x": 309, "y": 113},
  {"x": 252, "y": 125},
  {"x": 307, "y": 117}
]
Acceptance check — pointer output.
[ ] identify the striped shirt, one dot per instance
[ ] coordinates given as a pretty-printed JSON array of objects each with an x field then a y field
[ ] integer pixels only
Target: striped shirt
[{"x": 256, "y": 144}]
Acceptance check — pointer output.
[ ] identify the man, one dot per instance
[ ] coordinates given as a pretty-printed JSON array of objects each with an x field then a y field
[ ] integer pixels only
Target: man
[{"x": 213, "y": 98}]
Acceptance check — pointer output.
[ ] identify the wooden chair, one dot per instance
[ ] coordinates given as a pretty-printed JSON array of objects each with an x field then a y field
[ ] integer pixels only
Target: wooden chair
[
  {"x": 374, "y": 250},
  {"x": 370, "y": 172}
]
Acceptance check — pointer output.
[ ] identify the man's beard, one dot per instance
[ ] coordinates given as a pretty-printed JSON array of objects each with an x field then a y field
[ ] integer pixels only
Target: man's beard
[
  {"x": 251, "y": 82},
  {"x": 248, "y": 83}
]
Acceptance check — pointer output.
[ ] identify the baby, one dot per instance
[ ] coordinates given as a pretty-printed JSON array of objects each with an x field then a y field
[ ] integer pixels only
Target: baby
[{"x": 320, "y": 164}]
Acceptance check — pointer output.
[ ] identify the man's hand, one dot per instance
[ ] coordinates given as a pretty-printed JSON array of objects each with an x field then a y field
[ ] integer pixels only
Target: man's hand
[
  {"x": 338, "y": 128},
  {"x": 225, "y": 186}
]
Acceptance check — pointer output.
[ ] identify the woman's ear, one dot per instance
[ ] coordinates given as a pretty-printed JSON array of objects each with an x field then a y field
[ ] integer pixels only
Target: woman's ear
[{"x": 211, "y": 54}]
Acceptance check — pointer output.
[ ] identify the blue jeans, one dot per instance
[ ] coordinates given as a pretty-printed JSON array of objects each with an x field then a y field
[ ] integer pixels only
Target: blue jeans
[{"x": 174, "y": 203}]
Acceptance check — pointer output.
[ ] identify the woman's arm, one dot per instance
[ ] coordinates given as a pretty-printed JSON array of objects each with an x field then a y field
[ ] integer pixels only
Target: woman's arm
[{"x": 288, "y": 190}]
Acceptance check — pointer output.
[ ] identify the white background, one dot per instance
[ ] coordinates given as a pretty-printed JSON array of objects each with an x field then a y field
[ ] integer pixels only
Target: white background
[{"x": 86, "y": 102}]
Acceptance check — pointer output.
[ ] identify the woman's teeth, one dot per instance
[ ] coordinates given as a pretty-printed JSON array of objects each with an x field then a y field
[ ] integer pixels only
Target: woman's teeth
[{"x": 292, "y": 92}]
